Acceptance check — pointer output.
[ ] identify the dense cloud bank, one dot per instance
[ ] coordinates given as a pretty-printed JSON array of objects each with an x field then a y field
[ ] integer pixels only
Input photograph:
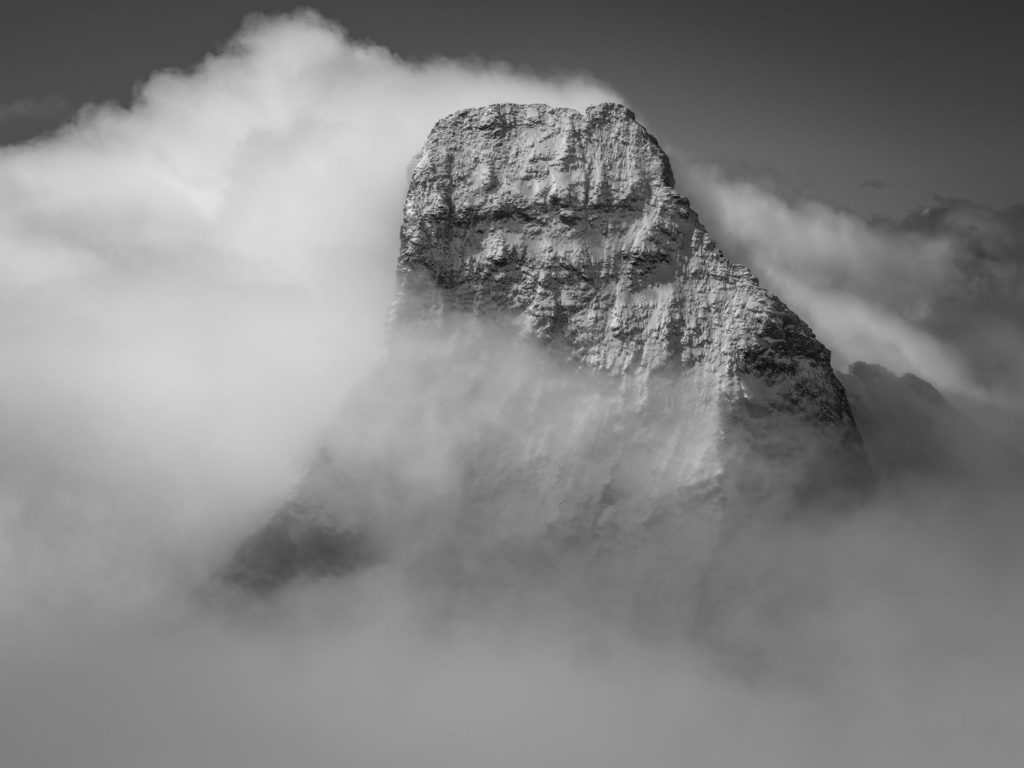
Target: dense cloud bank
[{"x": 188, "y": 289}]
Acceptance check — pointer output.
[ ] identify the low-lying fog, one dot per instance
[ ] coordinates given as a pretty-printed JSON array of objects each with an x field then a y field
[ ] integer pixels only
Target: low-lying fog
[{"x": 189, "y": 288}]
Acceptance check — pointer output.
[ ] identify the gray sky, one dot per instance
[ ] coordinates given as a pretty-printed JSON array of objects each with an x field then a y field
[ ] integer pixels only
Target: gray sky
[{"x": 875, "y": 107}]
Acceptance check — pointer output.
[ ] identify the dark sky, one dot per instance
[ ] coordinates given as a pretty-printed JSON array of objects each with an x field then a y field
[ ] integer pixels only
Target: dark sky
[{"x": 872, "y": 106}]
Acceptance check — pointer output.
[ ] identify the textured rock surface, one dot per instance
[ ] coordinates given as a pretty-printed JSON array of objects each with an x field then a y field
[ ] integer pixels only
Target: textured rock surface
[
  {"x": 575, "y": 365},
  {"x": 570, "y": 224}
]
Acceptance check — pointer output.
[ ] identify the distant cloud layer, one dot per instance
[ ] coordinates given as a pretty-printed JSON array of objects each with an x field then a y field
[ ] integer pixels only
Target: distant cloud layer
[{"x": 32, "y": 109}]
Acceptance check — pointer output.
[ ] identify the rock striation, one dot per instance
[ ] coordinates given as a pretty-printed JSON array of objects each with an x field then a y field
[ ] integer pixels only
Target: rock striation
[{"x": 575, "y": 371}]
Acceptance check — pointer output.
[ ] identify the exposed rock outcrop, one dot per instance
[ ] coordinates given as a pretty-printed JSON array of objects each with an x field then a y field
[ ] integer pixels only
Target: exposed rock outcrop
[{"x": 575, "y": 367}]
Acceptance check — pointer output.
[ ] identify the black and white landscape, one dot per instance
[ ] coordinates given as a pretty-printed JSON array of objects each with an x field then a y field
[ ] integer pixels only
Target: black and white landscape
[{"x": 370, "y": 409}]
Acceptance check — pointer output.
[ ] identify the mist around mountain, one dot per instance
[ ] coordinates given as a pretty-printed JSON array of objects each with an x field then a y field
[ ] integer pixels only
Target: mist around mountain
[{"x": 193, "y": 287}]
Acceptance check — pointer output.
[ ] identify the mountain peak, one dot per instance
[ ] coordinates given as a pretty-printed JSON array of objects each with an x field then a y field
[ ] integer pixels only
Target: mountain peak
[
  {"x": 575, "y": 365},
  {"x": 569, "y": 224}
]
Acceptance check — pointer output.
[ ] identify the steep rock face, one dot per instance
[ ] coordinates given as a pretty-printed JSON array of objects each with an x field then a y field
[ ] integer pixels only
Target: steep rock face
[
  {"x": 570, "y": 220},
  {"x": 569, "y": 223},
  {"x": 575, "y": 366}
]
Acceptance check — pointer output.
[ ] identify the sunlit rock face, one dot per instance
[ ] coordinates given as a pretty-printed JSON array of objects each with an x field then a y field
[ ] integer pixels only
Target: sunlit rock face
[{"x": 576, "y": 373}]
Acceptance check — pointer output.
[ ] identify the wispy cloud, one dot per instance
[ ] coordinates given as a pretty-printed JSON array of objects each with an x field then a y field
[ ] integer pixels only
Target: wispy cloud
[
  {"x": 43, "y": 108},
  {"x": 938, "y": 294}
]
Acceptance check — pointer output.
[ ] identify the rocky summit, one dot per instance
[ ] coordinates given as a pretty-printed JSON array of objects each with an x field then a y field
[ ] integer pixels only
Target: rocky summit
[{"x": 576, "y": 373}]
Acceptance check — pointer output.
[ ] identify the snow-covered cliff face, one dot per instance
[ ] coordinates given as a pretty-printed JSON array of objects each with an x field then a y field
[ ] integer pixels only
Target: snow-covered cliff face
[{"x": 575, "y": 368}]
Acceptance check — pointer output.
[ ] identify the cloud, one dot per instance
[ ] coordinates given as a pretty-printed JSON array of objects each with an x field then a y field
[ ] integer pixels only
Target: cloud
[
  {"x": 189, "y": 285},
  {"x": 32, "y": 109}
]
